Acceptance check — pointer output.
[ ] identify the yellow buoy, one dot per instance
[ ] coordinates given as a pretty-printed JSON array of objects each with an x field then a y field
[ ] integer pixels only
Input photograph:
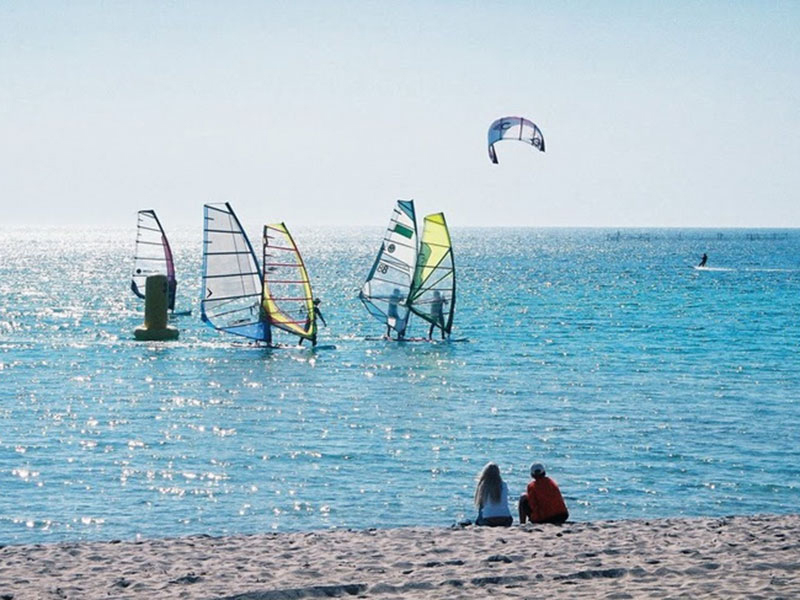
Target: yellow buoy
[{"x": 155, "y": 326}]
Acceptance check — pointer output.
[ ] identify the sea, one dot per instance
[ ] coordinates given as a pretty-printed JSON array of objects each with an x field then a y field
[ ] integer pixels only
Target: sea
[{"x": 647, "y": 387}]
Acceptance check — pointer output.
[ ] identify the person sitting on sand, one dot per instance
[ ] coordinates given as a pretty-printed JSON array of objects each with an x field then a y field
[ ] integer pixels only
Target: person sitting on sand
[
  {"x": 491, "y": 498},
  {"x": 542, "y": 502}
]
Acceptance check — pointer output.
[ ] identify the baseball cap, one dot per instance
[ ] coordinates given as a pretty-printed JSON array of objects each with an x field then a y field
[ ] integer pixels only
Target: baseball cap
[{"x": 537, "y": 469}]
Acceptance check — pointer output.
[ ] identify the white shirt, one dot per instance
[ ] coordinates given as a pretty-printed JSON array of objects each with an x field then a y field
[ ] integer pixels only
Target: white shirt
[{"x": 497, "y": 509}]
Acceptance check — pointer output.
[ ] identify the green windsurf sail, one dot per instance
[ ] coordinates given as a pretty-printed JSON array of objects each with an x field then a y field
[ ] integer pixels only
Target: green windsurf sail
[{"x": 386, "y": 291}]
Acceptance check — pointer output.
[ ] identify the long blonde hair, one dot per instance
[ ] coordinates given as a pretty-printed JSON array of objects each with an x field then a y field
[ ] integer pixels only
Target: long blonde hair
[{"x": 490, "y": 485}]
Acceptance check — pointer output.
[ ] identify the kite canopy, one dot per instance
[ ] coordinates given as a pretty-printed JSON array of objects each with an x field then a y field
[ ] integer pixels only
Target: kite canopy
[{"x": 514, "y": 128}]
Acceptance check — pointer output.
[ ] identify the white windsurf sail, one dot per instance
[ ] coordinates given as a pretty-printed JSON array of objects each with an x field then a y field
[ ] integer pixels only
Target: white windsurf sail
[
  {"x": 433, "y": 290},
  {"x": 386, "y": 290},
  {"x": 287, "y": 297},
  {"x": 153, "y": 256},
  {"x": 232, "y": 284}
]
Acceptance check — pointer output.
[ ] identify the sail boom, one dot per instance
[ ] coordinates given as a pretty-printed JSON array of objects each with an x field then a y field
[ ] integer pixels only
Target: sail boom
[
  {"x": 229, "y": 253},
  {"x": 222, "y": 276}
]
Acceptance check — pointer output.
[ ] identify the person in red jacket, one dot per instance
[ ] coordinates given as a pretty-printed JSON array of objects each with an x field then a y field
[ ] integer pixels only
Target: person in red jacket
[{"x": 542, "y": 502}]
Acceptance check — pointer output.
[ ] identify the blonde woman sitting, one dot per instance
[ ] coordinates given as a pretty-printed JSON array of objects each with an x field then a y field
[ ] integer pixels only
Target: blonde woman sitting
[{"x": 491, "y": 498}]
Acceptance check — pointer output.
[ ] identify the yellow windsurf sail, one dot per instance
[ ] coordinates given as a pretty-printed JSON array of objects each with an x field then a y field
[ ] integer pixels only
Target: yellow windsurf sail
[
  {"x": 433, "y": 290},
  {"x": 286, "y": 297}
]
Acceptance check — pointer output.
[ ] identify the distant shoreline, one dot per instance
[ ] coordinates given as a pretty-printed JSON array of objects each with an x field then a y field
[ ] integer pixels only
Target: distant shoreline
[{"x": 728, "y": 557}]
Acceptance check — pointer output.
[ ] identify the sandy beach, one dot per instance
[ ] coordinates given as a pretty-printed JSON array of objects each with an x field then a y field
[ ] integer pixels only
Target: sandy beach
[{"x": 730, "y": 557}]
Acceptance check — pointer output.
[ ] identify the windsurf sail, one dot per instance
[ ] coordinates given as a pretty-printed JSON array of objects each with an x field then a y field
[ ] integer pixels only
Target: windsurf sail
[
  {"x": 433, "y": 290},
  {"x": 514, "y": 128},
  {"x": 287, "y": 296},
  {"x": 232, "y": 285},
  {"x": 386, "y": 290},
  {"x": 153, "y": 256}
]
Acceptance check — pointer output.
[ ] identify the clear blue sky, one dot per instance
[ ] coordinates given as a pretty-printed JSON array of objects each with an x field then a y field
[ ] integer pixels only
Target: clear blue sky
[{"x": 654, "y": 113}]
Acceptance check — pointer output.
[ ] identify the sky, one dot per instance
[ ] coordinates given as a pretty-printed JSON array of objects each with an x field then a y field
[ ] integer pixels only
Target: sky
[{"x": 655, "y": 114}]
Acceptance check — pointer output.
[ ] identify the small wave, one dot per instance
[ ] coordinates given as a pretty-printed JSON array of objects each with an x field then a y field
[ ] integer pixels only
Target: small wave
[
  {"x": 769, "y": 270},
  {"x": 714, "y": 269}
]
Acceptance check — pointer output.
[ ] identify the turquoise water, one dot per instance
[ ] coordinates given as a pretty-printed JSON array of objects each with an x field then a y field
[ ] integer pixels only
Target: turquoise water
[{"x": 647, "y": 387}]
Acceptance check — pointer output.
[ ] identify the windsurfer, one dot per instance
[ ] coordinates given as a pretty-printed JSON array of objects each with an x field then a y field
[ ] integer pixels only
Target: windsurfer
[
  {"x": 317, "y": 313},
  {"x": 393, "y": 318},
  {"x": 173, "y": 286},
  {"x": 437, "y": 313},
  {"x": 703, "y": 260}
]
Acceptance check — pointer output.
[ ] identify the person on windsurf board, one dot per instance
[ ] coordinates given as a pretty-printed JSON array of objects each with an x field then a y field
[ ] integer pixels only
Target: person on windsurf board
[
  {"x": 318, "y": 314},
  {"x": 437, "y": 314},
  {"x": 394, "y": 319}
]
